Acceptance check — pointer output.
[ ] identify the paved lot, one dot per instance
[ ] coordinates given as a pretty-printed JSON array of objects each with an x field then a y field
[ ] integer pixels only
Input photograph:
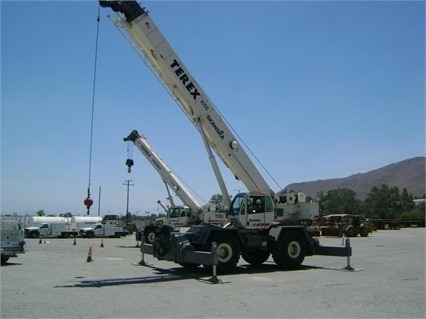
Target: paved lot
[{"x": 54, "y": 280}]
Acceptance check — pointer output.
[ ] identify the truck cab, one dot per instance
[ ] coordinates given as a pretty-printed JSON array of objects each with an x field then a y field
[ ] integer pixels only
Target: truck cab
[
  {"x": 43, "y": 230},
  {"x": 252, "y": 210},
  {"x": 64, "y": 230},
  {"x": 179, "y": 216}
]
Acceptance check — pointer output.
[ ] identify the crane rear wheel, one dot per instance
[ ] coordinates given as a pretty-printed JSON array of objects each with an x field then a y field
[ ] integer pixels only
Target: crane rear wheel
[{"x": 289, "y": 251}]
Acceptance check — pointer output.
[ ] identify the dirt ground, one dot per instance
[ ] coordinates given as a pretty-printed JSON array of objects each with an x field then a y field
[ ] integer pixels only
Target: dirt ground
[{"x": 54, "y": 280}]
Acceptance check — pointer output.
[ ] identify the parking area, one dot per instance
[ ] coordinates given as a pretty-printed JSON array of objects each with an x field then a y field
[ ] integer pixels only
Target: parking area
[{"x": 54, "y": 280}]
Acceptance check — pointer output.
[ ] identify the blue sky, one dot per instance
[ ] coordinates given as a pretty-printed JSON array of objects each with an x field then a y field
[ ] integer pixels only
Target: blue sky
[{"x": 316, "y": 90}]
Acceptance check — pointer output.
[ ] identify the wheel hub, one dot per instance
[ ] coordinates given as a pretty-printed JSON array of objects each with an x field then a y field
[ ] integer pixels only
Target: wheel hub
[
  {"x": 224, "y": 252},
  {"x": 293, "y": 249}
]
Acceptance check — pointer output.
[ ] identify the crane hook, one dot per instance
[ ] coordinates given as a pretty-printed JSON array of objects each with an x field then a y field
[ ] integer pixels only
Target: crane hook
[{"x": 129, "y": 163}]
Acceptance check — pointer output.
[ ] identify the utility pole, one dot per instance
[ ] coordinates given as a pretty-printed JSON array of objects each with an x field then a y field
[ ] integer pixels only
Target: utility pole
[{"x": 127, "y": 182}]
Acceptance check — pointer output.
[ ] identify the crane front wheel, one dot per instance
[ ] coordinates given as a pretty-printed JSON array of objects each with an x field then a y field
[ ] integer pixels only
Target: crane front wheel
[
  {"x": 228, "y": 251},
  {"x": 149, "y": 234}
]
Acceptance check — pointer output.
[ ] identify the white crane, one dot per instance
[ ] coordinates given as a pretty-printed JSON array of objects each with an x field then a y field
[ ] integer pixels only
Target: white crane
[
  {"x": 263, "y": 222},
  {"x": 191, "y": 212}
]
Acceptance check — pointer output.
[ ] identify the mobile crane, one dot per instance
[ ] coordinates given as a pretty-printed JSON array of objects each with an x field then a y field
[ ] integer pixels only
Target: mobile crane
[
  {"x": 255, "y": 233},
  {"x": 177, "y": 215}
]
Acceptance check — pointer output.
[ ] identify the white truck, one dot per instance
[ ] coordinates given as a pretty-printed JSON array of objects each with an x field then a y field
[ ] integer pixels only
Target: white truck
[
  {"x": 263, "y": 222},
  {"x": 63, "y": 227},
  {"x": 191, "y": 212},
  {"x": 12, "y": 239},
  {"x": 104, "y": 229}
]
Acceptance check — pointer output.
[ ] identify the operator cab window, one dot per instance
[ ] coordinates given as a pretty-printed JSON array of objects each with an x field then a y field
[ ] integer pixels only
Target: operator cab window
[
  {"x": 237, "y": 206},
  {"x": 268, "y": 204},
  {"x": 256, "y": 204}
]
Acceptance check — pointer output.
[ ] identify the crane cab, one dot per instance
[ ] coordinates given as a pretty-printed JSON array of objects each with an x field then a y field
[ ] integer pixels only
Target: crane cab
[{"x": 252, "y": 210}]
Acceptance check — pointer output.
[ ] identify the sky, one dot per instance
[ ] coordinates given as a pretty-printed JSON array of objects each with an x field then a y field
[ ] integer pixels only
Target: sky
[{"x": 315, "y": 89}]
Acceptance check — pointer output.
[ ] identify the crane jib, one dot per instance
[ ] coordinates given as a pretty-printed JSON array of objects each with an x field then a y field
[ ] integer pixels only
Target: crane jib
[{"x": 184, "y": 79}]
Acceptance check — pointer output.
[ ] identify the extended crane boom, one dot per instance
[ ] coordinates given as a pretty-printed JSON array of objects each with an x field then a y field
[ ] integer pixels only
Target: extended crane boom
[
  {"x": 171, "y": 71},
  {"x": 177, "y": 215},
  {"x": 167, "y": 175}
]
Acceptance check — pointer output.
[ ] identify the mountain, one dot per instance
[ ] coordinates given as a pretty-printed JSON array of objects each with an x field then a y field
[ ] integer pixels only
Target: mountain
[{"x": 409, "y": 174}]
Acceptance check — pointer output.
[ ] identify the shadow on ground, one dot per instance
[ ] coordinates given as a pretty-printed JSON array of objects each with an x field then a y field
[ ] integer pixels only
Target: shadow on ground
[{"x": 179, "y": 273}]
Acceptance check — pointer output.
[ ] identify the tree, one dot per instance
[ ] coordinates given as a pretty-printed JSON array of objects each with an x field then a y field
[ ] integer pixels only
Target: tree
[
  {"x": 66, "y": 215},
  {"x": 40, "y": 212},
  {"x": 406, "y": 201},
  {"x": 383, "y": 202},
  {"x": 218, "y": 200},
  {"x": 340, "y": 201},
  {"x": 418, "y": 212}
]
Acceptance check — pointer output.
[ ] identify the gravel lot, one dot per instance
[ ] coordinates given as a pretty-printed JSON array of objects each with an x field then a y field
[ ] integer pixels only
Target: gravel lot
[{"x": 54, "y": 280}]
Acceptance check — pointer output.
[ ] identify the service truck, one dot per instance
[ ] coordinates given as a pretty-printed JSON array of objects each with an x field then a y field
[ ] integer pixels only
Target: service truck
[
  {"x": 191, "y": 212},
  {"x": 63, "y": 227},
  {"x": 104, "y": 229},
  {"x": 263, "y": 222},
  {"x": 12, "y": 238}
]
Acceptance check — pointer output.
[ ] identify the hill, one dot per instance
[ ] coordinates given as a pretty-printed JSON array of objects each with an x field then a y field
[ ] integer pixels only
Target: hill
[{"x": 409, "y": 174}]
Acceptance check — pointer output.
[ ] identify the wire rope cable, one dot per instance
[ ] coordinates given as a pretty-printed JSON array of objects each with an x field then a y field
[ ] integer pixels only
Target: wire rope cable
[{"x": 88, "y": 201}]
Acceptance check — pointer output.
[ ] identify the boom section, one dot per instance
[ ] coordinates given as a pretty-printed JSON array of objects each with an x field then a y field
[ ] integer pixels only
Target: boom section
[
  {"x": 167, "y": 66},
  {"x": 167, "y": 175}
]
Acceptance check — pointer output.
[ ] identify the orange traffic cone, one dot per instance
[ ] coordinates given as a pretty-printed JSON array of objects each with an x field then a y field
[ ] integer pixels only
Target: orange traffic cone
[
  {"x": 40, "y": 241},
  {"x": 75, "y": 241},
  {"x": 102, "y": 243},
  {"x": 89, "y": 255}
]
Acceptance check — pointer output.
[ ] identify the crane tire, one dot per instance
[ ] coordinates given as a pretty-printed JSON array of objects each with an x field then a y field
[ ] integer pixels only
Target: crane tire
[
  {"x": 228, "y": 250},
  {"x": 257, "y": 258},
  {"x": 350, "y": 232},
  {"x": 289, "y": 251},
  {"x": 364, "y": 232},
  {"x": 149, "y": 235}
]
